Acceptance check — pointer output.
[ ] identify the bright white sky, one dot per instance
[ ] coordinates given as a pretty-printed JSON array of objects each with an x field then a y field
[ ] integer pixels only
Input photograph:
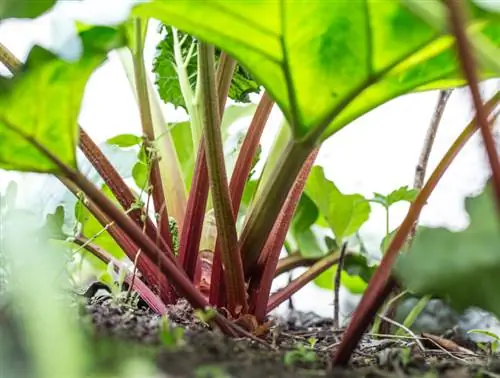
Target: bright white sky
[{"x": 377, "y": 153}]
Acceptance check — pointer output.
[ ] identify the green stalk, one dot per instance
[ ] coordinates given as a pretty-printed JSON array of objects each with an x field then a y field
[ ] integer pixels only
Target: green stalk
[
  {"x": 158, "y": 195},
  {"x": 169, "y": 165},
  {"x": 192, "y": 100},
  {"x": 268, "y": 204},
  {"x": 226, "y": 227}
]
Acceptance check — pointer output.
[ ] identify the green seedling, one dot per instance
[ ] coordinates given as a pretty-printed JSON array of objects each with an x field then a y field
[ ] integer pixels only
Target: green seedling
[
  {"x": 493, "y": 345},
  {"x": 205, "y": 316},
  {"x": 211, "y": 371},
  {"x": 172, "y": 337},
  {"x": 302, "y": 353}
]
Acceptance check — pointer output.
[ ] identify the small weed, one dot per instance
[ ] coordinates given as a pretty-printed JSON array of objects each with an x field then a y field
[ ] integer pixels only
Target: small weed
[
  {"x": 172, "y": 337},
  {"x": 205, "y": 316},
  {"x": 493, "y": 345},
  {"x": 211, "y": 371},
  {"x": 301, "y": 353}
]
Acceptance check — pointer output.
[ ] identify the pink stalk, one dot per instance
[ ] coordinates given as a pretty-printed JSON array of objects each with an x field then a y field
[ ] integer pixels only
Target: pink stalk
[{"x": 263, "y": 273}]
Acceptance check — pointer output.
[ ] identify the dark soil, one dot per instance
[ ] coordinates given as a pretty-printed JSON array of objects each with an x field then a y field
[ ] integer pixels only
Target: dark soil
[
  {"x": 118, "y": 331},
  {"x": 205, "y": 353}
]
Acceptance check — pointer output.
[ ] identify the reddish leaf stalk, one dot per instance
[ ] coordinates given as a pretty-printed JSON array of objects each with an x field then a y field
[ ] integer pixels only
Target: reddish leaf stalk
[
  {"x": 237, "y": 184},
  {"x": 381, "y": 284},
  {"x": 467, "y": 61},
  {"x": 263, "y": 274},
  {"x": 116, "y": 184},
  {"x": 296, "y": 260},
  {"x": 153, "y": 301},
  {"x": 321, "y": 266},
  {"x": 189, "y": 243},
  {"x": 226, "y": 227},
  {"x": 158, "y": 195},
  {"x": 145, "y": 265}
]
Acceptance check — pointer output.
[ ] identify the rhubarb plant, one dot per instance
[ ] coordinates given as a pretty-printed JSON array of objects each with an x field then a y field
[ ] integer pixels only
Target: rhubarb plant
[{"x": 182, "y": 234}]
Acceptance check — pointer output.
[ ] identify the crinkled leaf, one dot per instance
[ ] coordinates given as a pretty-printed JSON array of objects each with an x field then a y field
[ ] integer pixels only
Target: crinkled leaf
[
  {"x": 461, "y": 267},
  {"x": 326, "y": 63},
  {"x": 24, "y": 8},
  {"x": 242, "y": 85},
  {"x": 345, "y": 213},
  {"x": 125, "y": 140},
  {"x": 402, "y": 194},
  {"x": 167, "y": 81},
  {"x": 40, "y": 107},
  {"x": 164, "y": 68}
]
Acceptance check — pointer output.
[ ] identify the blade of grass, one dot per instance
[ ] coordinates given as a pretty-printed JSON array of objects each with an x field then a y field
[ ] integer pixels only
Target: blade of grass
[
  {"x": 414, "y": 314},
  {"x": 381, "y": 284}
]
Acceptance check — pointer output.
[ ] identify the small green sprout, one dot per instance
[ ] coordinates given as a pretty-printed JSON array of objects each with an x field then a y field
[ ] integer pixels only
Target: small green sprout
[
  {"x": 171, "y": 336},
  {"x": 206, "y": 315},
  {"x": 301, "y": 353},
  {"x": 495, "y": 340},
  {"x": 113, "y": 280},
  {"x": 211, "y": 371}
]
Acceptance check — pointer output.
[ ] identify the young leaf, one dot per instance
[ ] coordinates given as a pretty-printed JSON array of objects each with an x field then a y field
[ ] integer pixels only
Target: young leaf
[
  {"x": 125, "y": 140},
  {"x": 345, "y": 213},
  {"x": 24, "y": 8},
  {"x": 41, "y": 105},
  {"x": 459, "y": 266},
  {"x": 363, "y": 53},
  {"x": 398, "y": 195}
]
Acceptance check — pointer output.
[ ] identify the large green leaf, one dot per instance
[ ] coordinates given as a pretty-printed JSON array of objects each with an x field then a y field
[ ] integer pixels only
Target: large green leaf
[
  {"x": 462, "y": 267},
  {"x": 345, "y": 213},
  {"x": 325, "y": 61},
  {"x": 24, "y": 8},
  {"x": 40, "y": 105}
]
